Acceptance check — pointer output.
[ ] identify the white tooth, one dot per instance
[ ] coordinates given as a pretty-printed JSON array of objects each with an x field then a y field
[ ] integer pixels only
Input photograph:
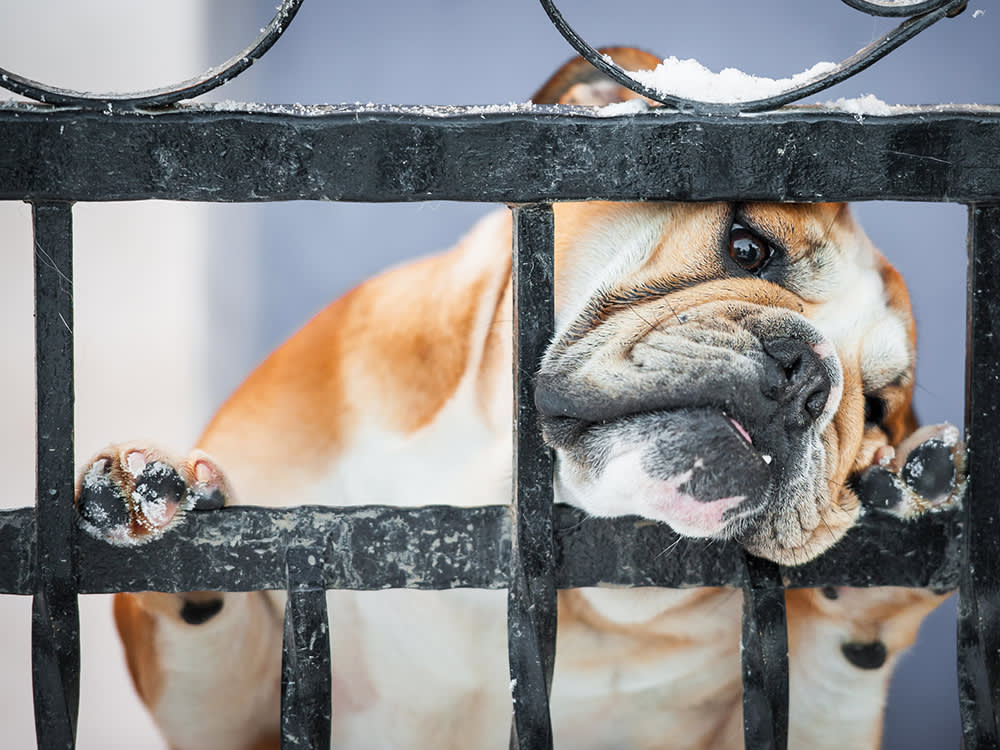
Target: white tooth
[{"x": 767, "y": 458}]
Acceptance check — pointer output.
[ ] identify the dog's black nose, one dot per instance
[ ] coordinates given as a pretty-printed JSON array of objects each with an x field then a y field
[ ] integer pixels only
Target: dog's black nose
[{"x": 796, "y": 378}]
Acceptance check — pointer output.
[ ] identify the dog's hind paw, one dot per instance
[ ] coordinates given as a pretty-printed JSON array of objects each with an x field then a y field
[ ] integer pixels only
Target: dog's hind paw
[
  {"x": 129, "y": 494},
  {"x": 926, "y": 472}
]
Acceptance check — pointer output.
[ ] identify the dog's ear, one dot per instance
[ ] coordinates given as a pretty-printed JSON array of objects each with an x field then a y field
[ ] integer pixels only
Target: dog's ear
[
  {"x": 902, "y": 422},
  {"x": 579, "y": 82}
]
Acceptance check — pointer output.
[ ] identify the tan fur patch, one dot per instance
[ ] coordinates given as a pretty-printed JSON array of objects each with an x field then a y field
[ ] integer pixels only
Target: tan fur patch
[
  {"x": 394, "y": 348},
  {"x": 891, "y": 615},
  {"x": 578, "y": 82},
  {"x": 137, "y": 630}
]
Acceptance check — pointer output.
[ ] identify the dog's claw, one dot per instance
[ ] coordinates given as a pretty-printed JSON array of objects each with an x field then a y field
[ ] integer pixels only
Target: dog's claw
[
  {"x": 208, "y": 491},
  {"x": 129, "y": 496},
  {"x": 926, "y": 472}
]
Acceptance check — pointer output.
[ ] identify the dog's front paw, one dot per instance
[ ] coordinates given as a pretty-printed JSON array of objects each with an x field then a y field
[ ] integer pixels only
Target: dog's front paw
[
  {"x": 925, "y": 472},
  {"x": 131, "y": 494}
]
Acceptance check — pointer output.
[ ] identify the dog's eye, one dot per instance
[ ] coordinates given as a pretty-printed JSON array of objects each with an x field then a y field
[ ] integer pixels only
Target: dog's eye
[
  {"x": 875, "y": 411},
  {"x": 749, "y": 250}
]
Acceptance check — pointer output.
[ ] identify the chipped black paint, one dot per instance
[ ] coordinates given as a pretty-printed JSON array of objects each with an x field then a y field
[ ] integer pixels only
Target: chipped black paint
[
  {"x": 764, "y": 649},
  {"x": 379, "y": 547},
  {"x": 979, "y": 597},
  {"x": 531, "y": 601},
  {"x": 306, "y": 678},
  {"x": 545, "y": 153},
  {"x": 55, "y": 618}
]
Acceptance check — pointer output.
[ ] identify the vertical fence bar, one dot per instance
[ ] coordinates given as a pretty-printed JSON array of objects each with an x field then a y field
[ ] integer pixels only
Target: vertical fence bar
[
  {"x": 531, "y": 604},
  {"x": 979, "y": 587},
  {"x": 306, "y": 680},
  {"x": 764, "y": 650},
  {"x": 55, "y": 617}
]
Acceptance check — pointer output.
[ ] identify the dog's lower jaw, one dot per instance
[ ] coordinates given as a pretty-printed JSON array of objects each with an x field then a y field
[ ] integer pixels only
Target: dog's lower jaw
[
  {"x": 791, "y": 541},
  {"x": 625, "y": 488}
]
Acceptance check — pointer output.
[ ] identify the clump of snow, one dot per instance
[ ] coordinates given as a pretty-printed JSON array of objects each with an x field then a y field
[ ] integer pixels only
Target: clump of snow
[
  {"x": 868, "y": 104},
  {"x": 978, "y": 13},
  {"x": 628, "y": 107},
  {"x": 949, "y": 435},
  {"x": 690, "y": 79},
  {"x": 318, "y": 110}
]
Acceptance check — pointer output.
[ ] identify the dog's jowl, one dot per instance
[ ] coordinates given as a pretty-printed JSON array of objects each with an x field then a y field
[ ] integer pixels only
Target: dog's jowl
[{"x": 738, "y": 371}]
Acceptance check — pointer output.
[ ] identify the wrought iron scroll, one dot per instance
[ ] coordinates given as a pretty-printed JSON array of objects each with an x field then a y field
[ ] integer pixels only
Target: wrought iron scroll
[
  {"x": 531, "y": 602},
  {"x": 55, "y": 617},
  {"x": 919, "y": 14},
  {"x": 161, "y": 97},
  {"x": 979, "y": 592},
  {"x": 922, "y": 14}
]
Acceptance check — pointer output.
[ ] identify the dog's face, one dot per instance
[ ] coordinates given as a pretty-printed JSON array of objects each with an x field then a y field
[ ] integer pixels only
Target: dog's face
[
  {"x": 724, "y": 368},
  {"x": 727, "y": 369}
]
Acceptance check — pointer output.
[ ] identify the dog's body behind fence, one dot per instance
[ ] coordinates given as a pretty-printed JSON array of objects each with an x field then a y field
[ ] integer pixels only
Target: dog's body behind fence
[
  {"x": 399, "y": 393},
  {"x": 635, "y": 668}
]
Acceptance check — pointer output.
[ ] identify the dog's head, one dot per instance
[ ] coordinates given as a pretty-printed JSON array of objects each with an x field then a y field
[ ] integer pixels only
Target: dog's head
[{"x": 724, "y": 368}]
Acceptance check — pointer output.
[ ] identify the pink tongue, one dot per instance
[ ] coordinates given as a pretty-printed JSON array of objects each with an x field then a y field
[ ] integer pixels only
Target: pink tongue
[{"x": 742, "y": 430}]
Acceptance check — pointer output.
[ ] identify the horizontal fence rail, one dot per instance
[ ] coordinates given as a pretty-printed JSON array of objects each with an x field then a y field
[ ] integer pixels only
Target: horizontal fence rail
[
  {"x": 379, "y": 547},
  {"x": 486, "y": 154}
]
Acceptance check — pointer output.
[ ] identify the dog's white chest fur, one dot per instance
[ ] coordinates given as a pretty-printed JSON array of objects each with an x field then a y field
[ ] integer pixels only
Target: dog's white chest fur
[{"x": 408, "y": 673}]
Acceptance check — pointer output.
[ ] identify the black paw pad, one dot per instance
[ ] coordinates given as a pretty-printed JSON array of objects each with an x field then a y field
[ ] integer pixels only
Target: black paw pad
[
  {"x": 101, "y": 505},
  {"x": 198, "y": 613},
  {"x": 865, "y": 655},
  {"x": 159, "y": 489},
  {"x": 930, "y": 469},
  {"x": 876, "y": 487},
  {"x": 160, "y": 480}
]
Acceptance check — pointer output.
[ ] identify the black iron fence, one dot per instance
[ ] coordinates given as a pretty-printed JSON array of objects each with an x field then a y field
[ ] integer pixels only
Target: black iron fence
[{"x": 76, "y": 147}]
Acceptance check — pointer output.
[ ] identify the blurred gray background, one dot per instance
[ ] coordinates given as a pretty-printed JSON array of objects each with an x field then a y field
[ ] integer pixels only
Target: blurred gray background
[{"x": 262, "y": 270}]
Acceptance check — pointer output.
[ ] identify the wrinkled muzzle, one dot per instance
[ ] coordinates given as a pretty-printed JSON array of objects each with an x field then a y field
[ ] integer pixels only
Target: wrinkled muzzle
[{"x": 712, "y": 423}]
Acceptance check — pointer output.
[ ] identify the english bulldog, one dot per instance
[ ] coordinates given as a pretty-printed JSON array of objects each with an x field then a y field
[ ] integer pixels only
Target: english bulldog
[{"x": 734, "y": 370}]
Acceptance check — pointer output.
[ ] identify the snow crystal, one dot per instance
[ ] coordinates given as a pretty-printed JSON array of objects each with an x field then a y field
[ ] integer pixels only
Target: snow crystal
[
  {"x": 155, "y": 508},
  {"x": 949, "y": 435},
  {"x": 868, "y": 104},
  {"x": 98, "y": 515},
  {"x": 318, "y": 110},
  {"x": 692, "y": 80}
]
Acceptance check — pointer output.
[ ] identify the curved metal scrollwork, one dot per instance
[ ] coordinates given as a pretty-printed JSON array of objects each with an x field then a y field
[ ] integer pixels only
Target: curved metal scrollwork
[
  {"x": 920, "y": 15},
  {"x": 210, "y": 79}
]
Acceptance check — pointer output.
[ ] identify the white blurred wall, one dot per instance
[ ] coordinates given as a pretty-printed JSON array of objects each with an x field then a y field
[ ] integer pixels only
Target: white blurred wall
[{"x": 139, "y": 278}]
